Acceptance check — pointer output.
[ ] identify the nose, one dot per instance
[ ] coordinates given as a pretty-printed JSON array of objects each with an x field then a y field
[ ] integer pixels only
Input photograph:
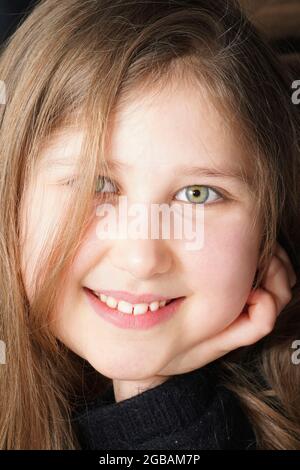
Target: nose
[{"x": 143, "y": 259}]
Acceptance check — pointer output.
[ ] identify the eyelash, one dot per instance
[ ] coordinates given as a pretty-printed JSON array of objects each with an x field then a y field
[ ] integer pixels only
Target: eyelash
[{"x": 217, "y": 191}]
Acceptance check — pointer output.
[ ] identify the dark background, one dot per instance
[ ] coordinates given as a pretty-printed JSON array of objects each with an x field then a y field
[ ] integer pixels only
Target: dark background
[
  {"x": 279, "y": 19},
  {"x": 11, "y": 12}
]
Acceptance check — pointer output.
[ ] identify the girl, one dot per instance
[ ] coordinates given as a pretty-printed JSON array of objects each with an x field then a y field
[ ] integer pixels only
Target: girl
[{"x": 174, "y": 102}]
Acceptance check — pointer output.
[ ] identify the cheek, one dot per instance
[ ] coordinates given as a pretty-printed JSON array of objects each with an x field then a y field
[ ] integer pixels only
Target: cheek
[
  {"x": 222, "y": 272},
  {"x": 40, "y": 212},
  {"x": 34, "y": 224},
  {"x": 90, "y": 253},
  {"x": 231, "y": 257}
]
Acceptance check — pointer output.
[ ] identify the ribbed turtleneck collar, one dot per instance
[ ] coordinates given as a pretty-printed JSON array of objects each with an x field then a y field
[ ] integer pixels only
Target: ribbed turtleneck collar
[{"x": 187, "y": 409}]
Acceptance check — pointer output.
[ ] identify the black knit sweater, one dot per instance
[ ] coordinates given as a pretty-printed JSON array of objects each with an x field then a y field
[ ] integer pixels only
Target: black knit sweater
[{"x": 190, "y": 411}]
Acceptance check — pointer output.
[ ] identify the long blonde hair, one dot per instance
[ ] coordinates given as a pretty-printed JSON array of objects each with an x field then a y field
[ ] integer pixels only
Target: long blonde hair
[{"x": 73, "y": 62}]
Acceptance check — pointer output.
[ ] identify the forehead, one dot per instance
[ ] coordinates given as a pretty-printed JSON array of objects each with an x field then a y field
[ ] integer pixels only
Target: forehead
[
  {"x": 176, "y": 126},
  {"x": 163, "y": 130},
  {"x": 62, "y": 145}
]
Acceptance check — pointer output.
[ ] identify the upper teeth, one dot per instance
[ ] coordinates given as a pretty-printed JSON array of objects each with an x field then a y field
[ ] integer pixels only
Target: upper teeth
[{"x": 126, "y": 307}]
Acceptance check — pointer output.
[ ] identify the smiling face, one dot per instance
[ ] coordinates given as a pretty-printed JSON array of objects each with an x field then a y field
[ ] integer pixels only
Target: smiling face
[{"x": 156, "y": 143}]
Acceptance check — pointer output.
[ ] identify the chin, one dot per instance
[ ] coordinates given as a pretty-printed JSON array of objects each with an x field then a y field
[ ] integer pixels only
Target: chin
[{"x": 121, "y": 370}]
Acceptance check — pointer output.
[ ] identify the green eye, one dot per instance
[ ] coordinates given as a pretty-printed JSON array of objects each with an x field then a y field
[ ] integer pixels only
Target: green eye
[
  {"x": 197, "y": 194},
  {"x": 103, "y": 185},
  {"x": 100, "y": 185}
]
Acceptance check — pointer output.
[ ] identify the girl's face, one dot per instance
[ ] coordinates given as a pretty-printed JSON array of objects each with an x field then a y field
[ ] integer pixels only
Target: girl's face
[{"x": 156, "y": 142}]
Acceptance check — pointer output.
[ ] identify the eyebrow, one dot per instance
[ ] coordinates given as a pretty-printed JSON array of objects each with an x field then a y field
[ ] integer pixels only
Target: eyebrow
[{"x": 185, "y": 170}]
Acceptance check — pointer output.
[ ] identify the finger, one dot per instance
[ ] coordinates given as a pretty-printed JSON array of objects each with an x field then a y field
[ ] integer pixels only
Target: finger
[
  {"x": 254, "y": 324},
  {"x": 281, "y": 253},
  {"x": 276, "y": 282}
]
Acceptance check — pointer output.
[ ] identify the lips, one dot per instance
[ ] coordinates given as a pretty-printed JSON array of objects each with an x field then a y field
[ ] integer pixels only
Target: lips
[{"x": 130, "y": 321}]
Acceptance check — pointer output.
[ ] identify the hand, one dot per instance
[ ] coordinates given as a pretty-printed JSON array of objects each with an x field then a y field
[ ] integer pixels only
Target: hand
[{"x": 256, "y": 321}]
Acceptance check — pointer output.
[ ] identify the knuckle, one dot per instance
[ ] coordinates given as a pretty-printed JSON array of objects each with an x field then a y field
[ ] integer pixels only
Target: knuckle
[
  {"x": 274, "y": 267},
  {"x": 267, "y": 327},
  {"x": 294, "y": 280},
  {"x": 287, "y": 296}
]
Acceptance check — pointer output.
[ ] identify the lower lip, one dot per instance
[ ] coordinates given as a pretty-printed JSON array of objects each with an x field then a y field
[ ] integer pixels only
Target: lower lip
[{"x": 131, "y": 321}]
